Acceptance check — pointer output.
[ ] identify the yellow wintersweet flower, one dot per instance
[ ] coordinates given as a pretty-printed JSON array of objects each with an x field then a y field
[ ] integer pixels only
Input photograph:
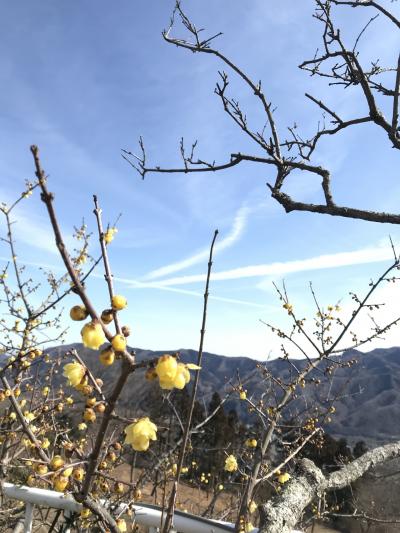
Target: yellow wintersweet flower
[
  {"x": 29, "y": 416},
  {"x": 82, "y": 258},
  {"x": 231, "y": 463},
  {"x": 60, "y": 483},
  {"x": 93, "y": 335},
  {"x": 182, "y": 376},
  {"x": 89, "y": 415},
  {"x": 283, "y": 478},
  {"x": 166, "y": 367},
  {"x": 82, "y": 426},
  {"x": 139, "y": 434},
  {"x": 252, "y": 506},
  {"x": 119, "y": 302},
  {"x": 242, "y": 394},
  {"x": 41, "y": 469},
  {"x": 288, "y": 307},
  {"x": 251, "y": 443},
  {"x": 173, "y": 374},
  {"x": 56, "y": 462},
  {"x": 45, "y": 443},
  {"x": 109, "y": 235},
  {"x": 121, "y": 525},
  {"x": 118, "y": 343},
  {"x": 74, "y": 372},
  {"x": 67, "y": 471},
  {"x": 85, "y": 513}
]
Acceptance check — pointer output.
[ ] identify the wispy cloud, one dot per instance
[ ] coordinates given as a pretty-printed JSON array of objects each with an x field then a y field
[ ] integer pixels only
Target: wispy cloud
[
  {"x": 367, "y": 255},
  {"x": 134, "y": 284},
  {"x": 30, "y": 227},
  {"x": 235, "y": 233}
]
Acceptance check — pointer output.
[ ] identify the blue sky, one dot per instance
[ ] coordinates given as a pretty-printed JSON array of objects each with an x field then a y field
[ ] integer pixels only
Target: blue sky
[{"x": 83, "y": 80}]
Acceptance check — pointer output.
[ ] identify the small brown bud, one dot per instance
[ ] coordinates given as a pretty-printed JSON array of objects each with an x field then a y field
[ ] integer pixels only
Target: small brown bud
[
  {"x": 126, "y": 331},
  {"x": 100, "y": 408},
  {"x": 107, "y": 316}
]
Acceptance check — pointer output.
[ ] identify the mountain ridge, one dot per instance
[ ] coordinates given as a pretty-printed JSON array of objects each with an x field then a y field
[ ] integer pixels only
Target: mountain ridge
[{"x": 368, "y": 392}]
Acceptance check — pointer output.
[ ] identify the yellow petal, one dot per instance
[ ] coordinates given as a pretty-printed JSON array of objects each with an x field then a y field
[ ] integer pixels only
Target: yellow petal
[
  {"x": 179, "y": 381},
  {"x": 166, "y": 367}
]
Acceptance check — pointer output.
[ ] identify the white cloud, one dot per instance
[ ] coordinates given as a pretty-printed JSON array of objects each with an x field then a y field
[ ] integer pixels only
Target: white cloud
[
  {"x": 367, "y": 255},
  {"x": 235, "y": 233},
  {"x": 134, "y": 284}
]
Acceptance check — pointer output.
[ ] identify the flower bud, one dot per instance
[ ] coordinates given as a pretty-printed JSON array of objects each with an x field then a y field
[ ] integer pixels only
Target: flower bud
[
  {"x": 78, "y": 474},
  {"x": 107, "y": 316},
  {"x": 126, "y": 331},
  {"x": 90, "y": 402},
  {"x": 78, "y": 312},
  {"x": 107, "y": 356},
  {"x": 100, "y": 408}
]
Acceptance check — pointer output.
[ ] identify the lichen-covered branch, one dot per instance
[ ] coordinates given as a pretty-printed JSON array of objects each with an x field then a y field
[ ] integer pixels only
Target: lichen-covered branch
[{"x": 284, "y": 511}]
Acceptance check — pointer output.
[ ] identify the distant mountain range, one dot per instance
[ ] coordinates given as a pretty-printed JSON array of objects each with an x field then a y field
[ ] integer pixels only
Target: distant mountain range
[{"x": 368, "y": 393}]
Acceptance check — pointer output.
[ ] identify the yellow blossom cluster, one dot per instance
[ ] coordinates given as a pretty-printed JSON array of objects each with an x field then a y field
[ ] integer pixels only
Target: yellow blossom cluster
[
  {"x": 172, "y": 374},
  {"x": 252, "y": 507},
  {"x": 288, "y": 307},
  {"x": 244, "y": 525},
  {"x": 231, "y": 464},
  {"x": 109, "y": 235},
  {"x": 205, "y": 478},
  {"x": 74, "y": 372},
  {"x": 140, "y": 433},
  {"x": 61, "y": 474},
  {"x": 310, "y": 424},
  {"x": 283, "y": 477}
]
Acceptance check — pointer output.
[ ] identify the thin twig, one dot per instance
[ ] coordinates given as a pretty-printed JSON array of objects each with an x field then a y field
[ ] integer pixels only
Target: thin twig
[{"x": 188, "y": 422}]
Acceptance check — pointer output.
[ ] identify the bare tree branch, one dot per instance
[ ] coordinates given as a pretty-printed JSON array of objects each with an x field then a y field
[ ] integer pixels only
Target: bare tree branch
[{"x": 347, "y": 70}]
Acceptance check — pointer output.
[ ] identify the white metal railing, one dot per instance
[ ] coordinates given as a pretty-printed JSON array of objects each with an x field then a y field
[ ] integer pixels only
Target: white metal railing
[{"x": 145, "y": 514}]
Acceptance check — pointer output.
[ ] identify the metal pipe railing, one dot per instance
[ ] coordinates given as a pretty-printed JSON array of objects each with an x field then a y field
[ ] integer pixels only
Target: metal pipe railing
[{"x": 145, "y": 514}]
